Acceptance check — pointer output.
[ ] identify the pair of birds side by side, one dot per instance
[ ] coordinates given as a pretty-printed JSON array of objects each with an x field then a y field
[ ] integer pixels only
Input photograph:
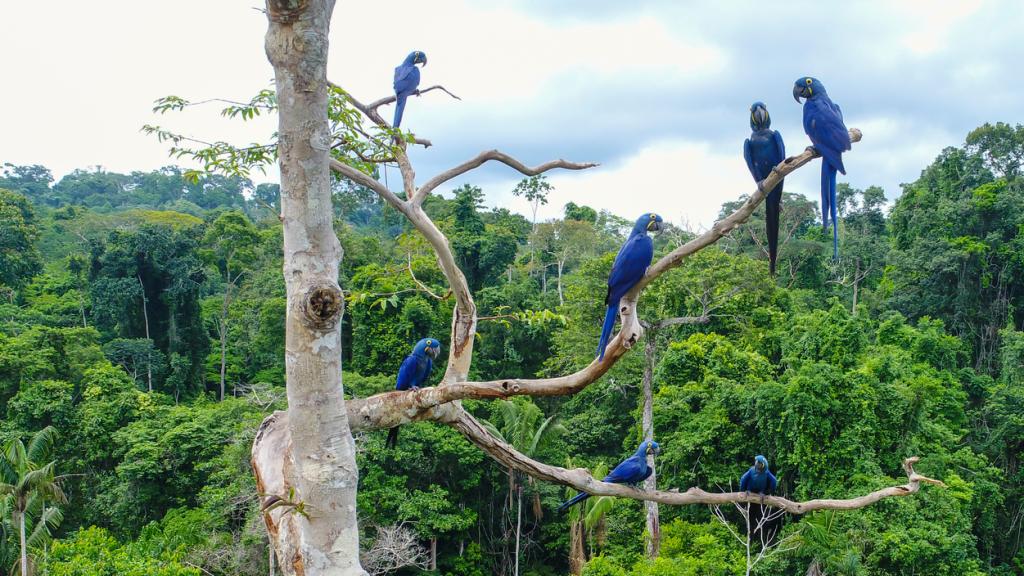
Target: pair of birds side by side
[
  {"x": 823, "y": 123},
  {"x": 634, "y": 470}
]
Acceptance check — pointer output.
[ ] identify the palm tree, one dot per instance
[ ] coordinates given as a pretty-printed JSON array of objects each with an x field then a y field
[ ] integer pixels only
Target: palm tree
[
  {"x": 586, "y": 522},
  {"x": 26, "y": 490},
  {"x": 521, "y": 424}
]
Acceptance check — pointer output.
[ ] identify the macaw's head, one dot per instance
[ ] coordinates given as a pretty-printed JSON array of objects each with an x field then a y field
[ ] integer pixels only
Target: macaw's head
[
  {"x": 416, "y": 57},
  {"x": 760, "y": 463},
  {"x": 807, "y": 87},
  {"x": 759, "y": 119},
  {"x": 649, "y": 447},
  {"x": 648, "y": 223},
  {"x": 429, "y": 346}
]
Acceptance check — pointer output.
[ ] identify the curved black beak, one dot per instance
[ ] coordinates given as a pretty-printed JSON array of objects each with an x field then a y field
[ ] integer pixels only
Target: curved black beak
[
  {"x": 424, "y": 60},
  {"x": 799, "y": 92},
  {"x": 434, "y": 352},
  {"x": 760, "y": 116},
  {"x": 655, "y": 226}
]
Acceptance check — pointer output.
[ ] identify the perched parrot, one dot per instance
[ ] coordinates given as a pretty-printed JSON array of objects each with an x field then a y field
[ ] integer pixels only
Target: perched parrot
[
  {"x": 407, "y": 80},
  {"x": 632, "y": 470},
  {"x": 413, "y": 373},
  {"x": 763, "y": 151},
  {"x": 823, "y": 122},
  {"x": 758, "y": 478},
  {"x": 629, "y": 267}
]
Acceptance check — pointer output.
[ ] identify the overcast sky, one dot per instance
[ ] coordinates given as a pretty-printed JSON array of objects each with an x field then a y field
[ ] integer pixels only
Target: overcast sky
[{"x": 656, "y": 91}]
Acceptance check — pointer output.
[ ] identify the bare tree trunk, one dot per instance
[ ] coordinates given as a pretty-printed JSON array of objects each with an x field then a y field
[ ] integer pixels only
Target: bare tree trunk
[
  {"x": 145, "y": 316},
  {"x": 653, "y": 523},
  {"x": 577, "y": 555},
  {"x": 856, "y": 283},
  {"x": 433, "y": 554},
  {"x": 519, "y": 524},
  {"x": 224, "y": 331},
  {"x": 24, "y": 550},
  {"x": 309, "y": 463},
  {"x": 561, "y": 266}
]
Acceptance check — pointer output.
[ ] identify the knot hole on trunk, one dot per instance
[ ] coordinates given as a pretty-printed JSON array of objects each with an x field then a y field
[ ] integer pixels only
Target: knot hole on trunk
[
  {"x": 323, "y": 306},
  {"x": 286, "y": 11}
]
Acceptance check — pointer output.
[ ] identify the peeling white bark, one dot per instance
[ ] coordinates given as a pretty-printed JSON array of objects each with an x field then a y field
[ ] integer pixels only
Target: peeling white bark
[{"x": 308, "y": 460}]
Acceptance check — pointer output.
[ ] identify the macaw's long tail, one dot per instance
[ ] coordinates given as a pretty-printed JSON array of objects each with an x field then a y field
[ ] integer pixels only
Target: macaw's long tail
[
  {"x": 828, "y": 204},
  {"x": 392, "y": 440},
  {"x": 773, "y": 206},
  {"x": 573, "y": 501},
  {"x": 399, "y": 110},
  {"x": 606, "y": 330},
  {"x": 826, "y": 169}
]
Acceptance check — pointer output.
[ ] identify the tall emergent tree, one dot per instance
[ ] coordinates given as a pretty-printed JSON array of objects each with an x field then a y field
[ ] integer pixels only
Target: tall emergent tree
[
  {"x": 304, "y": 459},
  {"x": 321, "y": 537}
]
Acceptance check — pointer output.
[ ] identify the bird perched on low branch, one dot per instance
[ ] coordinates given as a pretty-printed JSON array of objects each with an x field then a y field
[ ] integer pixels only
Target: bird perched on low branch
[
  {"x": 823, "y": 123},
  {"x": 758, "y": 478},
  {"x": 763, "y": 151},
  {"x": 632, "y": 470},
  {"x": 413, "y": 373},
  {"x": 629, "y": 267},
  {"x": 407, "y": 80}
]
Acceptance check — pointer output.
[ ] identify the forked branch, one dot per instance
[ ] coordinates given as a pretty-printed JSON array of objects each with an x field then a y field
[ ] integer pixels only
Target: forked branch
[
  {"x": 390, "y": 409},
  {"x": 498, "y": 156}
]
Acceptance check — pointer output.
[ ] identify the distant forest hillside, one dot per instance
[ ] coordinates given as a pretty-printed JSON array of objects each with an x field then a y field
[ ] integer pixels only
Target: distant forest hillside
[{"x": 142, "y": 330}]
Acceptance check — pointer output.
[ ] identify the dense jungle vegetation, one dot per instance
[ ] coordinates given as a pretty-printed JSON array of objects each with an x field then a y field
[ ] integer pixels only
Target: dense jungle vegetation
[{"x": 141, "y": 344}]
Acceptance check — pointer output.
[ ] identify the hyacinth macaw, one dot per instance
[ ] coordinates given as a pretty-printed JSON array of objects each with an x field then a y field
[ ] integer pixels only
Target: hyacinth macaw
[
  {"x": 413, "y": 373},
  {"x": 632, "y": 470},
  {"x": 763, "y": 151},
  {"x": 758, "y": 478},
  {"x": 407, "y": 80},
  {"x": 629, "y": 267},
  {"x": 823, "y": 122}
]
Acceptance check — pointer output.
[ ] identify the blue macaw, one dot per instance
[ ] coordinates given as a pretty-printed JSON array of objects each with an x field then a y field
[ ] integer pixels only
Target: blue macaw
[
  {"x": 763, "y": 151},
  {"x": 629, "y": 267},
  {"x": 758, "y": 478},
  {"x": 632, "y": 470},
  {"x": 823, "y": 122},
  {"x": 407, "y": 80},
  {"x": 413, "y": 373}
]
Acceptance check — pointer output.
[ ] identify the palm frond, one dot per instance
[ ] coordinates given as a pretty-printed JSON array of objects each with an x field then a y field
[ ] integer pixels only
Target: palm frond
[
  {"x": 492, "y": 429},
  {"x": 546, "y": 432},
  {"x": 41, "y": 443},
  {"x": 597, "y": 507}
]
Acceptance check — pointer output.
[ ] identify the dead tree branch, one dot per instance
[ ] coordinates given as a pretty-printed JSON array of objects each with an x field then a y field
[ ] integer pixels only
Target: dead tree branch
[
  {"x": 441, "y": 403},
  {"x": 394, "y": 547},
  {"x": 499, "y": 156},
  {"x": 389, "y": 99},
  {"x": 580, "y": 479},
  {"x": 391, "y": 408}
]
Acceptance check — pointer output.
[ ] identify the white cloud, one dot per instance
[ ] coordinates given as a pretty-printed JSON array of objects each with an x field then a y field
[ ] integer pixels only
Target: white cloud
[
  {"x": 931, "y": 22},
  {"x": 651, "y": 90}
]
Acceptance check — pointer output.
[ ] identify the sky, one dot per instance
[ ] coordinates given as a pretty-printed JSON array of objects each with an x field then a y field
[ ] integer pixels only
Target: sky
[{"x": 656, "y": 91}]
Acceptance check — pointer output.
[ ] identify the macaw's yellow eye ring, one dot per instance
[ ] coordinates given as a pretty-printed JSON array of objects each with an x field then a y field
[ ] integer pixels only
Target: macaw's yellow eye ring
[
  {"x": 653, "y": 216},
  {"x": 808, "y": 81}
]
